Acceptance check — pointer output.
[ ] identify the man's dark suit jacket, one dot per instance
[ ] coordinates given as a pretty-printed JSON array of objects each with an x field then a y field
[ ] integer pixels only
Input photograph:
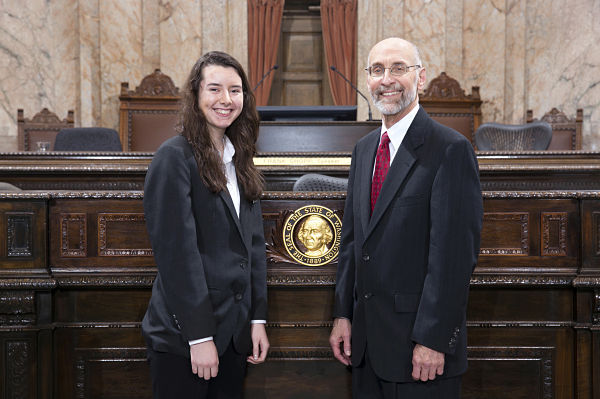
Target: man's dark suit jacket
[
  {"x": 211, "y": 277},
  {"x": 403, "y": 274}
]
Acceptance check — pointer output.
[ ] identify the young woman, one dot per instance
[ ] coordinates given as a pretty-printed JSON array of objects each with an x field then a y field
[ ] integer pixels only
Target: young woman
[{"x": 201, "y": 202}]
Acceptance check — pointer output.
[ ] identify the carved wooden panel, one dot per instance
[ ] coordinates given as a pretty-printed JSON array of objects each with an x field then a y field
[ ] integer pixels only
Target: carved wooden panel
[
  {"x": 509, "y": 372},
  {"x": 596, "y": 232},
  {"x": 17, "y": 307},
  {"x": 19, "y": 234},
  {"x": 596, "y": 308},
  {"x": 117, "y": 231},
  {"x": 112, "y": 373},
  {"x": 73, "y": 235},
  {"x": 505, "y": 233},
  {"x": 554, "y": 233},
  {"x": 19, "y": 369}
]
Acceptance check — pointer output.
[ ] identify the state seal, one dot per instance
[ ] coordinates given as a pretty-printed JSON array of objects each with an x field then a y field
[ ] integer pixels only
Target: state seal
[{"x": 311, "y": 235}]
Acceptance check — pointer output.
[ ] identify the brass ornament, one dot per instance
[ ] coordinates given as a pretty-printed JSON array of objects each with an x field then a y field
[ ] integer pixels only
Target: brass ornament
[{"x": 311, "y": 235}]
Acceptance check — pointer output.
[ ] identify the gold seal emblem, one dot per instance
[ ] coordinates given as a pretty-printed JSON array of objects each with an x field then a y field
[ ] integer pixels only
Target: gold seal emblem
[{"x": 311, "y": 235}]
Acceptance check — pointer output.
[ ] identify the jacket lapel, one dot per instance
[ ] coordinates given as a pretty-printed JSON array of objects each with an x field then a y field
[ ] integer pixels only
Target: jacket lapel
[
  {"x": 229, "y": 202},
  {"x": 401, "y": 166},
  {"x": 366, "y": 178}
]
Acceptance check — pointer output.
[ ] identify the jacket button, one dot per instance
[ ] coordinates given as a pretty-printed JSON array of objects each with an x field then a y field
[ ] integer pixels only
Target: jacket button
[
  {"x": 238, "y": 297},
  {"x": 368, "y": 295},
  {"x": 366, "y": 257},
  {"x": 243, "y": 265}
]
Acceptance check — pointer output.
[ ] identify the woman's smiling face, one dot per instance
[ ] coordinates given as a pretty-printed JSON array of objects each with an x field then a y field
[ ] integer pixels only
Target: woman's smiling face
[{"x": 220, "y": 96}]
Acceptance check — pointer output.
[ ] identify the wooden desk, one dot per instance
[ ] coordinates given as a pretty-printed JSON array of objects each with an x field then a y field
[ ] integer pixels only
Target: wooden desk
[
  {"x": 76, "y": 270},
  {"x": 542, "y": 170}
]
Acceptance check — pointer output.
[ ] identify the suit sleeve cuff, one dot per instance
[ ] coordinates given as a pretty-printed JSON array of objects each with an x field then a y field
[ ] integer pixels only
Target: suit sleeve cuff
[{"x": 199, "y": 341}]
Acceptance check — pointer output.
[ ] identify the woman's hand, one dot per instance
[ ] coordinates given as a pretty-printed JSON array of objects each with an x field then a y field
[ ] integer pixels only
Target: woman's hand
[
  {"x": 205, "y": 359},
  {"x": 260, "y": 343}
]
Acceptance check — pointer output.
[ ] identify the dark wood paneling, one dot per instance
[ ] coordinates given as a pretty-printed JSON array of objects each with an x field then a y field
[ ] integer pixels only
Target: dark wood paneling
[{"x": 533, "y": 315}]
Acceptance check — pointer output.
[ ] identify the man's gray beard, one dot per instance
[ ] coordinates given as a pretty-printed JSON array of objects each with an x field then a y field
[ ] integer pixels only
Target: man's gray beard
[{"x": 395, "y": 108}]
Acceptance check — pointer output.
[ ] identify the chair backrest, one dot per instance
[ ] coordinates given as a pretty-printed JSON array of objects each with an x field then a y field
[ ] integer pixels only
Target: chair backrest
[
  {"x": 566, "y": 132},
  {"x": 8, "y": 187},
  {"x": 500, "y": 137},
  {"x": 87, "y": 139},
  {"x": 148, "y": 114},
  {"x": 42, "y": 128},
  {"x": 446, "y": 102},
  {"x": 317, "y": 182}
]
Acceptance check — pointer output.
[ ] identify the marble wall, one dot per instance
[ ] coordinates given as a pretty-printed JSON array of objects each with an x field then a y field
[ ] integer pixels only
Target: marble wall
[
  {"x": 534, "y": 54},
  {"x": 73, "y": 54}
]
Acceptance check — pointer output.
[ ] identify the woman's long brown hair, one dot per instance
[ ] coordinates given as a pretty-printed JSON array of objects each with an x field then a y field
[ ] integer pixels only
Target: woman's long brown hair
[{"x": 243, "y": 132}]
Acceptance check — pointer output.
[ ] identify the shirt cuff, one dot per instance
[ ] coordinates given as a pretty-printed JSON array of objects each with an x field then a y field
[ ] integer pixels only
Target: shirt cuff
[
  {"x": 258, "y": 322},
  {"x": 199, "y": 341}
]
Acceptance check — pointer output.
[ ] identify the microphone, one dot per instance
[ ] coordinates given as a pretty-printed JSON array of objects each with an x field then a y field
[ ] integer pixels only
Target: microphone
[
  {"x": 334, "y": 69},
  {"x": 265, "y": 76}
]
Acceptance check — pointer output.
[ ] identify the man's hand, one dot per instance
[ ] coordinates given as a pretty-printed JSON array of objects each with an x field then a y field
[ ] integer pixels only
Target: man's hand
[
  {"x": 205, "y": 359},
  {"x": 427, "y": 363},
  {"x": 340, "y": 338},
  {"x": 260, "y": 343}
]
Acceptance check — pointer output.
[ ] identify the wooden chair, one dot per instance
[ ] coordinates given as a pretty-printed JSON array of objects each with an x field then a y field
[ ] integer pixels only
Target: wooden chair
[
  {"x": 42, "y": 128},
  {"x": 566, "y": 132},
  {"x": 446, "y": 102},
  {"x": 148, "y": 114}
]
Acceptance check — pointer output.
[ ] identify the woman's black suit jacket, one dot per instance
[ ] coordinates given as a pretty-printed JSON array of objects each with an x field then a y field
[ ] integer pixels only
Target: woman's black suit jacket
[{"x": 211, "y": 277}]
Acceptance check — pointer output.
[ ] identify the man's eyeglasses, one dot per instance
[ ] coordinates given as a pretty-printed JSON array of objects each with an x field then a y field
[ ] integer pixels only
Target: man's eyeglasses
[{"x": 377, "y": 71}]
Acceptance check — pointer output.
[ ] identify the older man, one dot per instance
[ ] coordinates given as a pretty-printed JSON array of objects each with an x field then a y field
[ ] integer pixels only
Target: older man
[{"x": 410, "y": 240}]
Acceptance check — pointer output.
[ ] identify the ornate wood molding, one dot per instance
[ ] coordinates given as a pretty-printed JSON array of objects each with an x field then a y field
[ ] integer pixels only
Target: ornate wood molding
[
  {"x": 554, "y": 233},
  {"x": 283, "y": 280},
  {"x": 444, "y": 87},
  {"x": 506, "y": 218},
  {"x": 543, "y": 355},
  {"x": 284, "y": 353},
  {"x": 107, "y": 280},
  {"x": 520, "y": 281},
  {"x": 19, "y": 234},
  {"x": 131, "y": 220},
  {"x": 26, "y": 283},
  {"x": 17, "y": 308},
  {"x": 156, "y": 84},
  {"x": 83, "y": 357},
  {"x": 19, "y": 378},
  {"x": 70, "y": 222}
]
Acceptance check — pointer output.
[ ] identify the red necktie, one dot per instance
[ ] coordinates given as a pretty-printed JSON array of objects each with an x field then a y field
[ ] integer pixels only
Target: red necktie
[{"x": 382, "y": 164}]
